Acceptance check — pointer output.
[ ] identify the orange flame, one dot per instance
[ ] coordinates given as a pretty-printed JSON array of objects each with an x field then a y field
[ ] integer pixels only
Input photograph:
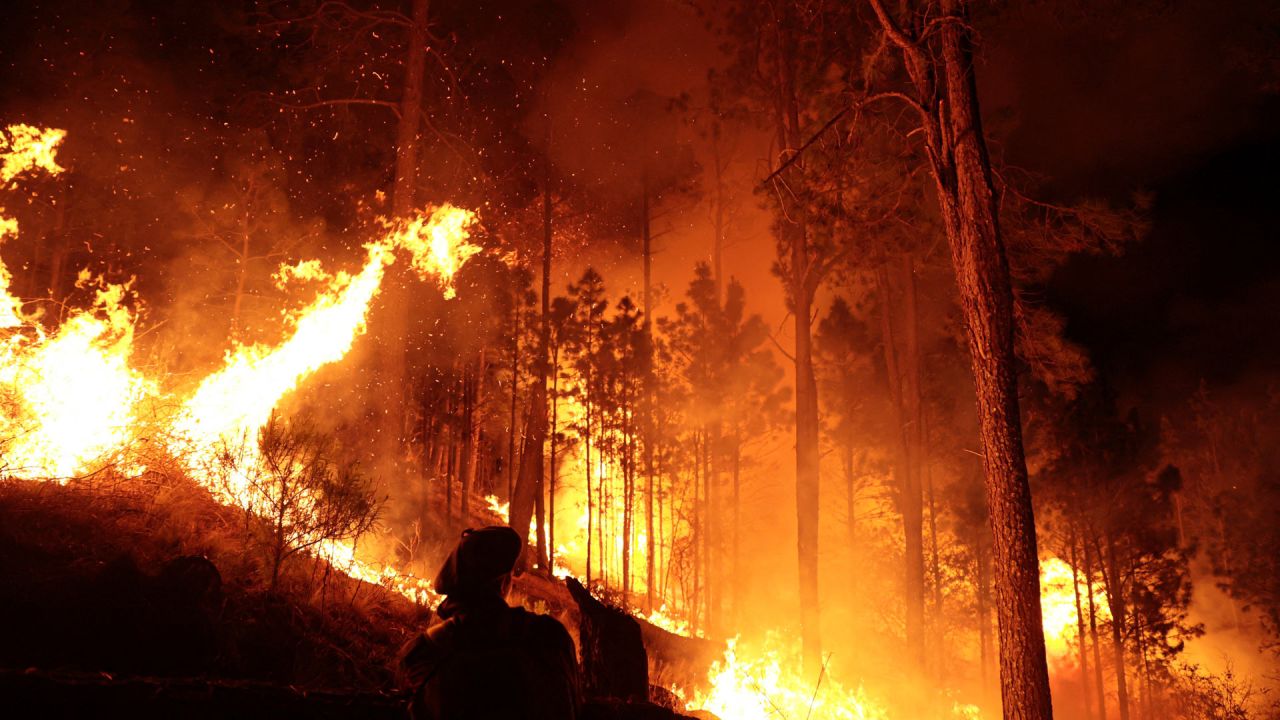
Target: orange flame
[{"x": 764, "y": 685}]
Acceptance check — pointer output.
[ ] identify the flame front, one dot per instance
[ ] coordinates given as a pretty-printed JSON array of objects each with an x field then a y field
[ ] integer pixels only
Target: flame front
[
  {"x": 71, "y": 396},
  {"x": 763, "y": 684}
]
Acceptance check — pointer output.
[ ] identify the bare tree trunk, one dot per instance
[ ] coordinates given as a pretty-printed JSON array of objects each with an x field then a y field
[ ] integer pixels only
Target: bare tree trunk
[
  {"x": 944, "y": 78},
  {"x": 851, "y": 514},
  {"x": 1115, "y": 603},
  {"x": 737, "y": 527},
  {"x": 627, "y": 487},
  {"x": 453, "y": 404},
  {"x": 982, "y": 275},
  {"x": 649, "y": 436},
  {"x": 935, "y": 572},
  {"x": 587, "y": 464},
  {"x": 529, "y": 486},
  {"x": 984, "y": 615},
  {"x": 1093, "y": 631},
  {"x": 474, "y": 397},
  {"x": 913, "y": 495},
  {"x": 1085, "y": 702},
  {"x": 553, "y": 471},
  {"x": 402, "y": 203},
  {"x": 807, "y": 467},
  {"x": 515, "y": 390},
  {"x": 903, "y": 376}
]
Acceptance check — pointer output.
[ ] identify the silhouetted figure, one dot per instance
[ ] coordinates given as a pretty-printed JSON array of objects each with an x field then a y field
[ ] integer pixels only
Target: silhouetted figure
[{"x": 482, "y": 659}]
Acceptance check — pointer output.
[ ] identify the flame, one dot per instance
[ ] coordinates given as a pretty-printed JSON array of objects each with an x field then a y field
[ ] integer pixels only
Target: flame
[
  {"x": 71, "y": 397},
  {"x": 25, "y": 147},
  {"x": 22, "y": 148},
  {"x": 501, "y": 509},
  {"x": 238, "y": 399},
  {"x": 666, "y": 619},
  {"x": 1058, "y": 608},
  {"x": 763, "y": 685}
]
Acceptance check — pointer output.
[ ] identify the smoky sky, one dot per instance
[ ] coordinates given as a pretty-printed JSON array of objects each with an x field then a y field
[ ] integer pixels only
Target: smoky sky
[
  {"x": 1102, "y": 99},
  {"x": 1177, "y": 100}
]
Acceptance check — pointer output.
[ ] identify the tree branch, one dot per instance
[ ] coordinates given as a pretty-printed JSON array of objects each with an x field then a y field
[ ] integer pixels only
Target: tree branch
[
  {"x": 393, "y": 107},
  {"x": 857, "y": 106}
]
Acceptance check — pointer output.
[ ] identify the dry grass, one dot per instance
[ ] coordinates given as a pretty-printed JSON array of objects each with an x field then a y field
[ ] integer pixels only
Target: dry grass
[{"x": 319, "y": 628}]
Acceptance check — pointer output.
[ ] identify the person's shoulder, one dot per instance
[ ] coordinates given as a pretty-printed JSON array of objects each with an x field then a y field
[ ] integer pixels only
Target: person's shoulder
[{"x": 543, "y": 626}]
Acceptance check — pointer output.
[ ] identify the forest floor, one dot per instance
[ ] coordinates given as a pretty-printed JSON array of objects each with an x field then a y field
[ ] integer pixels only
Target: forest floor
[{"x": 145, "y": 593}]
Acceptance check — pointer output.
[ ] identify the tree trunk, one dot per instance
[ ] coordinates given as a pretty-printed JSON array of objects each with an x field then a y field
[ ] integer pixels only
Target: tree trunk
[
  {"x": 649, "y": 436},
  {"x": 587, "y": 467},
  {"x": 1115, "y": 603},
  {"x": 1093, "y": 631},
  {"x": 470, "y": 461},
  {"x": 986, "y": 298},
  {"x": 737, "y": 527},
  {"x": 397, "y": 302},
  {"x": 913, "y": 495},
  {"x": 553, "y": 470},
  {"x": 529, "y": 485},
  {"x": 515, "y": 389},
  {"x": 1085, "y": 702},
  {"x": 851, "y": 514},
  {"x": 984, "y": 615},
  {"x": 903, "y": 377}
]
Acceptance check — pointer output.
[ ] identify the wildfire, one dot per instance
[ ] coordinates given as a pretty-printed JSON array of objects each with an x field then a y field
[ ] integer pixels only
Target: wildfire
[
  {"x": 763, "y": 685},
  {"x": 501, "y": 509},
  {"x": 237, "y": 400},
  {"x": 1058, "y": 607},
  {"x": 24, "y": 147},
  {"x": 71, "y": 402},
  {"x": 70, "y": 396}
]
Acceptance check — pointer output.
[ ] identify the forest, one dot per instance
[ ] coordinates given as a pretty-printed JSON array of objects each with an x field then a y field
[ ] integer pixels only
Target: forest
[{"x": 833, "y": 358}]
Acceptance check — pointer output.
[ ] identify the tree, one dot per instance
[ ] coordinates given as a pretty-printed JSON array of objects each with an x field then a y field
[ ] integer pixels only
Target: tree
[
  {"x": 247, "y": 220},
  {"x": 588, "y": 299},
  {"x": 290, "y": 480},
  {"x": 787, "y": 55},
  {"x": 936, "y": 48},
  {"x": 732, "y": 394}
]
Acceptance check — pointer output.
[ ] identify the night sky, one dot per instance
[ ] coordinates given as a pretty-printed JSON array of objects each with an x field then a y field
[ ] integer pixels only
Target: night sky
[{"x": 1178, "y": 100}]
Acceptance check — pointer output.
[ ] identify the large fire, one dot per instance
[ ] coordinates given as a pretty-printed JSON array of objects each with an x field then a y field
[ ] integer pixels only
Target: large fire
[
  {"x": 72, "y": 397},
  {"x": 1060, "y": 590},
  {"x": 74, "y": 404},
  {"x": 763, "y": 685}
]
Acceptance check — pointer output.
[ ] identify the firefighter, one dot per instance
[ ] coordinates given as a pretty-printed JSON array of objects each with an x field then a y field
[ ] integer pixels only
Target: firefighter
[{"x": 481, "y": 658}]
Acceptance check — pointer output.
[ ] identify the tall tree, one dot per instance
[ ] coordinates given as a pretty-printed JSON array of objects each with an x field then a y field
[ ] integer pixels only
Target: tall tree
[
  {"x": 937, "y": 53},
  {"x": 787, "y": 55}
]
